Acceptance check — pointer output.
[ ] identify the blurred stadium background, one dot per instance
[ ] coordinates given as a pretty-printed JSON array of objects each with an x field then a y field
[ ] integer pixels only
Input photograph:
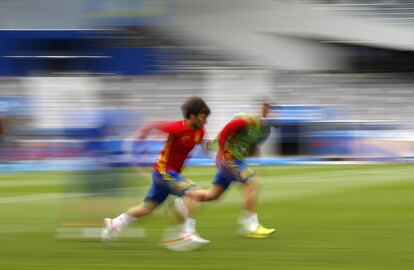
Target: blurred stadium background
[{"x": 78, "y": 77}]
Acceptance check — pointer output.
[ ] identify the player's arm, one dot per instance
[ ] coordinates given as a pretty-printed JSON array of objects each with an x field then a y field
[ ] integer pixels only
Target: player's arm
[
  {"x": 143, "y": 132},
  {"x": 230, "y": 129}
]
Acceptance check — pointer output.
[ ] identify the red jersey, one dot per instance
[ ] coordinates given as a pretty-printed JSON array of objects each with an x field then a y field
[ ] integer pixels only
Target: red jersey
[{"x": 181, "y": 140}]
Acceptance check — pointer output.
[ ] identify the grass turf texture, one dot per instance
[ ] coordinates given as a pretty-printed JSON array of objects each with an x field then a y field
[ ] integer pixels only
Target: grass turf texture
[{"x": 327, "y": 217}]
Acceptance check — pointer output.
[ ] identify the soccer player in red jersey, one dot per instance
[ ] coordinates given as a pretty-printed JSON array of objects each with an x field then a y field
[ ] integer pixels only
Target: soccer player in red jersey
[{"x": 183, "y": 136}]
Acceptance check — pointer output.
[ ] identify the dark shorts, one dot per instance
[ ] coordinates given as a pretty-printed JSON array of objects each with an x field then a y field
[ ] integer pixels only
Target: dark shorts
[
  {"x": 230, "y": 171},
  {"x": 166, "y": 183}
]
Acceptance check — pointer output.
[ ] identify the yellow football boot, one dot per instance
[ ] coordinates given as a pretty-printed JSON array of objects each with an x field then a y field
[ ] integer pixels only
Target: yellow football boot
[
  {"x": 260, "y": 232},
  {"x": 263, "y": 230}
]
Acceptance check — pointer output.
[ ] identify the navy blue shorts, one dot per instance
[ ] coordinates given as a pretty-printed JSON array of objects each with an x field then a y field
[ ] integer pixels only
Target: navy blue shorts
[
  {"x": 166, "y": 183},
  {"x": 230, "y": 171}
]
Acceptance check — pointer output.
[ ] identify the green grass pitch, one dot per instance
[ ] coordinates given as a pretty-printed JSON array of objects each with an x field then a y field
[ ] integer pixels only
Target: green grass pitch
[{"x": 331, "y": 217}]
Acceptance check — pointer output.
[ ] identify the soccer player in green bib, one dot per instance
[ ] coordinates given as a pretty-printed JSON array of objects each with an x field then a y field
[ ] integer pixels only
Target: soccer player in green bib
[{"x": 239, "y": 139}]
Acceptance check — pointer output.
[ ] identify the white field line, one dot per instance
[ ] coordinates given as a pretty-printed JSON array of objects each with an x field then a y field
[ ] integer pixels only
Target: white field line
[
  {"x": 40, "y": 197},
  {"x": 22, "y": 183}
]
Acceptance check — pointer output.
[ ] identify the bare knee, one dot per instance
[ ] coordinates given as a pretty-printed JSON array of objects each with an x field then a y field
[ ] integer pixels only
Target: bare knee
[{"x": 253, "y": 185}]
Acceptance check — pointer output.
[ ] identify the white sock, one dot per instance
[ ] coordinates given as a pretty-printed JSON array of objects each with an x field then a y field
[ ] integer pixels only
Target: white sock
[
  {"x": 122, "y": 221},
  {"x": 189, "y": 225},
  {"x": 254, "y": 220},
  {"x": 250, "y": 220},
  {"x": 180, "y": 207}
]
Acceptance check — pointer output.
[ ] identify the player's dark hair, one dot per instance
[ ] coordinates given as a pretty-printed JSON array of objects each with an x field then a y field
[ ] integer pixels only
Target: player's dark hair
[{"x": 194, "y": 105}]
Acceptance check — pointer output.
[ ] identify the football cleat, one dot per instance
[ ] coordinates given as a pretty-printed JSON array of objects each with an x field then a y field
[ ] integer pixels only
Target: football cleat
[
  {"x": 179, "y": 241},
  {"x": 263, "y": 230},
  {"x": 196, "y": 237},
  {"x": 109, "y": 232},
  {"x": 260, "y": 232}
]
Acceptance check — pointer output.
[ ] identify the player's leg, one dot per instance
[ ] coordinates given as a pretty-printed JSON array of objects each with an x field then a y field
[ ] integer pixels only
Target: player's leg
[
  {"x": 204, "y": 195},
  {"x": 249, "y": 221},
  {"x": 238, "y": 171},
  {"x": 155, "y": 196},
  {"x": 221, "y": 182},
  {"x": 184, "y": 205},
  {"x": 183, "y": 209},
  {"x": 252, "y": 189},
  {"x": 113, "y": 227}
]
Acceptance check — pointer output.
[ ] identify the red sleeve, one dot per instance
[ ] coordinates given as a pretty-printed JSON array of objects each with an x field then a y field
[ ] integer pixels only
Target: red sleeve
[
  {"x": 231, "y": 128},
  {"x": 143, "y": 131}
]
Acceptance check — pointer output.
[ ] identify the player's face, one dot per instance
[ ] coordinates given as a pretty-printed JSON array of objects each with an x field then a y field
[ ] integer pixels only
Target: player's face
[{"x": 199, "y": 120}]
